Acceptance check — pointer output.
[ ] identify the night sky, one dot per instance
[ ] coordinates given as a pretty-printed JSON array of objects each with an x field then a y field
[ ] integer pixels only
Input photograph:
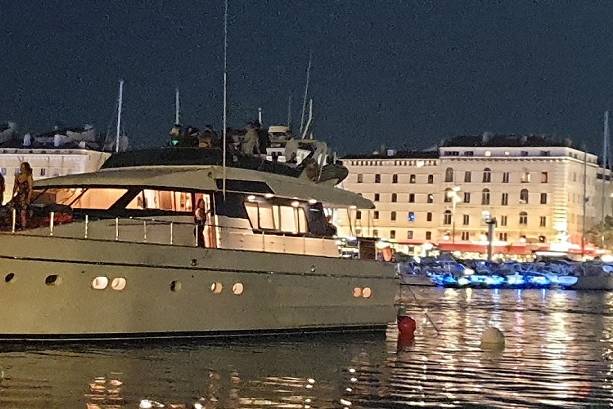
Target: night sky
[{"x": 403, "y": 73}]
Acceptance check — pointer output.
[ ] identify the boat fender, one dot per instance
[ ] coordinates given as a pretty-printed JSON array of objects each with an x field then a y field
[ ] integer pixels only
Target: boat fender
[
  {"x": 406, "y": 325},
  {"x": 492, "y": 339}
]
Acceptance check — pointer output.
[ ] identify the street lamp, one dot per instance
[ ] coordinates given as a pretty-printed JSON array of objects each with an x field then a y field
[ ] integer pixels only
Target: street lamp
[
  {"x": 491, "y": 223},
  {"x": 455, "y": 198}
]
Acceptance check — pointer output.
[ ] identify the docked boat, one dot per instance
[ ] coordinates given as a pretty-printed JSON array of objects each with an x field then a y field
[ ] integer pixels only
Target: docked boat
[{"x": 114, "y": 254}]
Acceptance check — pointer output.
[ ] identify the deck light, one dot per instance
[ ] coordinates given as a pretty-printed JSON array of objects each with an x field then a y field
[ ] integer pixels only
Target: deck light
[
  {"x": 251, "y": 198},
  {"x": 312, "y": 201},
  {"x": 269, "y": 195},
  {"x": 295, "y": 203}
]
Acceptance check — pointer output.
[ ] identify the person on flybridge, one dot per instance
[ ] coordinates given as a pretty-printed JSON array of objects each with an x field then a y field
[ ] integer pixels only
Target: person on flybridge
[{"x": 250, "y": 144}]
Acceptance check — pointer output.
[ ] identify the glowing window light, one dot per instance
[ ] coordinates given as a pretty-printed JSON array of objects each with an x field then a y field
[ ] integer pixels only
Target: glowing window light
[
  {"x": 366, "y": 292},
  {"x": 357, "y": 292},
  {"x": 216, "y": 288},
  {"x": 295, "y": 203},
  {"x": 100, "y": 283},
  {"x": 238, "y": 288},
  {"x": 251, "y": 198},
  {"x": 268, "y": 196},
  {"x": 118, "y": 283}
]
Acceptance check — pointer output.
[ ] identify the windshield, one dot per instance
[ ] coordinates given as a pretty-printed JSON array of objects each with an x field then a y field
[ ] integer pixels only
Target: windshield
[{"x": 80, "y": 197}]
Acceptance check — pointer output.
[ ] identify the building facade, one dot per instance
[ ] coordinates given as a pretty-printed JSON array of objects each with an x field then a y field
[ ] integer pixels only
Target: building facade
[{"x": 532, "y": 188}]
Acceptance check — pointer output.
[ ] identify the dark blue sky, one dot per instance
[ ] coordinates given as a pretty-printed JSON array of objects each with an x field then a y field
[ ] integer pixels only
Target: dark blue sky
[{"x": 395, "y": 72}]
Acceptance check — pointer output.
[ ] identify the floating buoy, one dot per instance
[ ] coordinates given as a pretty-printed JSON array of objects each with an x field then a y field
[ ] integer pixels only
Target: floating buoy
[{"x": 492, "y": 339}]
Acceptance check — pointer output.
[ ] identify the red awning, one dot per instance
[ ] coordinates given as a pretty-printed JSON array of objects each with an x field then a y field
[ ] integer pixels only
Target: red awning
[{"x": 519, "y": 249}]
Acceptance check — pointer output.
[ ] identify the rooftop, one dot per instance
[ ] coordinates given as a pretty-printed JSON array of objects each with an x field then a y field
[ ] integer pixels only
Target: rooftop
[
  {"x": 393, "y": 154},
  {"x": 506, "y": 140}
]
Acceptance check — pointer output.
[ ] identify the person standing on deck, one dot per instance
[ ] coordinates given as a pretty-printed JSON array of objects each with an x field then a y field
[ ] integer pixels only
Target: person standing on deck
[{"x": 200, "y": 220}]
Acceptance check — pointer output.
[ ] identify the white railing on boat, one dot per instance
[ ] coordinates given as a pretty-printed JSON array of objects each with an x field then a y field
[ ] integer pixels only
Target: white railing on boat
[{"x": 258, "y": 240}]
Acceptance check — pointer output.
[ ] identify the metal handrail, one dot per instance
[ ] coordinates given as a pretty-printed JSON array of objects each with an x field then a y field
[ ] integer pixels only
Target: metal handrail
[{"x": 148, "y": 222}]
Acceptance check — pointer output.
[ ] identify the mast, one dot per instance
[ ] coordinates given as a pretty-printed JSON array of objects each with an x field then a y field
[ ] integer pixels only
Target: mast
[
  {"x": 605, "y": 166},
  {"x": 225, "y": 93},
  {"x": 119, "y": 107},
  {"x": 177, "y": 107},
  {"x": 584, "y": 201},
  {"x": 306, "y": 92}
]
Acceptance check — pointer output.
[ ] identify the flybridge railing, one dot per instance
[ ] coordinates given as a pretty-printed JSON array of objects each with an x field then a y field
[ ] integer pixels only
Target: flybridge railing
[{"x": 259, "y": 240}]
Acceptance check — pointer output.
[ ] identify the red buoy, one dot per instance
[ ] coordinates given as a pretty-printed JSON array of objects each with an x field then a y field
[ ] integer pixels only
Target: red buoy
[{"x": 406, "y": 326}]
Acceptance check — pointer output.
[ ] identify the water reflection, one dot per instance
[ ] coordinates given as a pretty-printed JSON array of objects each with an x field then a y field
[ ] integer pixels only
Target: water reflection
[{"x": 558, "y": 353}]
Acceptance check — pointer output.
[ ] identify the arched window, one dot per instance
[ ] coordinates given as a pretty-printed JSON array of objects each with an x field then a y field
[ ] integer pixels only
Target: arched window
[
  {"x": 448, "y": 195},
  {"x": 487, "y": 175},
  {"x": 485, "y": 196},
  {"x": 523, "y": 196},
  {"x": 449, "y": 175},
  {"x": 523, "y": 218},
  {"x": 447, "y": 217}
]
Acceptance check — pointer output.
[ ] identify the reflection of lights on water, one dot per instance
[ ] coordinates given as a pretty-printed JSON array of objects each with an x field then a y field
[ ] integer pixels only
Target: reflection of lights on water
[
  {"x": 353, "y": 379},
  {"x": 348, "y": 389},
  {"x": 311, "y": 380},
  {"x": 345, "y": 402},
  {"x": 309, "y": 386},
  {"x": 351, "y": 370}
]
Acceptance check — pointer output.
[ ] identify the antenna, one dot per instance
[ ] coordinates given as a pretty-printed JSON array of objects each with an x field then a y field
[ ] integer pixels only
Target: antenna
[
  {"x": 119, "y": 107},
  {"x": 177, "y": 107},
  {"x": 225, "y": 93},
  {"x": 260, "y": 116},
  {"x": 289, "y": 111},
  {"x": 306, "y": 91}
]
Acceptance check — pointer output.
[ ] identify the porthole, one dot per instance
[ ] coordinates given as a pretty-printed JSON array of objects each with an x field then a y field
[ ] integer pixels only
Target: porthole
[
  {"x": 366, "y": 292},
  {"x": 100, "y": 283},
  {"x": 238, "y": 288},
  {"x": 357, "y": 292},
  {"x": 9, "y": 277},
  {"x": 216, "y": 288},
  {"x": 52, "y": 280},
  {"x": 118, "y": 283},
  {"x": 175, "y": 286}
]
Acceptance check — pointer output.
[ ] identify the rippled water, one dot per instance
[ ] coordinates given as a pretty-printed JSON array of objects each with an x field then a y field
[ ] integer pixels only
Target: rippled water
[{"x": 558, "y": 354}]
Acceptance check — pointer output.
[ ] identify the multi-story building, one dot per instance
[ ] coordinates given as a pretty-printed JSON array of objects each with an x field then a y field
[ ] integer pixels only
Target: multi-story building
[{"x": 532, "y": 186}]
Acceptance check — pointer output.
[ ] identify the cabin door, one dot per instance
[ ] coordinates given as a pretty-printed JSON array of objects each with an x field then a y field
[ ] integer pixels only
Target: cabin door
[{"x": 209, "y": 228}]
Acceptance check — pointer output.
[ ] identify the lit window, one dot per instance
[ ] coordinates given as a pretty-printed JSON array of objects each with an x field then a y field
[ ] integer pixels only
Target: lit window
[
  {"x": 357, "y": 292},
  {"x": 366, "y": 292},
  {"x": 237, "y": 288},
  {"x": 216, "y": 288},
  {"x": 100, "y": 283},
  {"x": 118, "y": 283}
]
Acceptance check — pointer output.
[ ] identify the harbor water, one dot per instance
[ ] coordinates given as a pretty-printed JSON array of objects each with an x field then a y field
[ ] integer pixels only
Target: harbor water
[{"x": 559, "y": 351}]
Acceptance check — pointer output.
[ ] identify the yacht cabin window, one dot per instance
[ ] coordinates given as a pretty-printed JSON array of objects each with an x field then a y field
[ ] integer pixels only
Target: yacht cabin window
[
  {"x": 162, "y": 200},
  {"x": 81, "y": 197},
  {"x": 286, "y": 219}
]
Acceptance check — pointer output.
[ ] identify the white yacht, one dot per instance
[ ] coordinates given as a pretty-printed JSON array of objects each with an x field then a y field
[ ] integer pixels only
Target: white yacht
[{"x": 113, "y": 254}]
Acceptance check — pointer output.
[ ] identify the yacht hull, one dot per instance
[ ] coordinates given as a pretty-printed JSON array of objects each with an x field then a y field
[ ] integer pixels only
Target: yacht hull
[{"x": 180, "y": 291}]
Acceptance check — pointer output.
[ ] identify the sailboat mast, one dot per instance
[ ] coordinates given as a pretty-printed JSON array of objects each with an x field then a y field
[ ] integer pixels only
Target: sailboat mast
[
  {"x": 584, "y": 201},
  {"x": 605, "y": 165},
  {"x": 119, "y": 107},
  {"x": 306, "y": 92},
  {"x": 177, "y": 108},
  {"x": 225, "y": 93}
]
